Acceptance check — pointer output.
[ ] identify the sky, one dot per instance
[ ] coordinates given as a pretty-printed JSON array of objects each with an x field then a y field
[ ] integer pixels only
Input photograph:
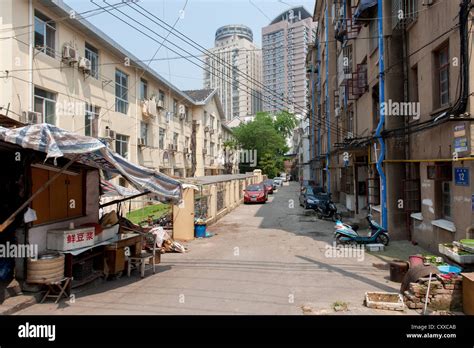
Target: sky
[{"x": 198, "y": 21}]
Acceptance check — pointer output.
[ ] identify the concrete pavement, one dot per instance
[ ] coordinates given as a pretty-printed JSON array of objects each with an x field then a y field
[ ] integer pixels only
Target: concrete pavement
[{"x": 263, "y": 259}]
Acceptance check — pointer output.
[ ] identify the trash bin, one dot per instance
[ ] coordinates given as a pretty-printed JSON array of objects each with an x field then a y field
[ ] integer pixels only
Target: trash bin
[{"x": 200, "y": 231}]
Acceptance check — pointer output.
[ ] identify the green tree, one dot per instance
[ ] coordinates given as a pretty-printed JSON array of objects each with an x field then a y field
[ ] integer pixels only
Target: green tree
[
  {"x": 285, "y": 123},
  {"x": 267, "y": 135}
]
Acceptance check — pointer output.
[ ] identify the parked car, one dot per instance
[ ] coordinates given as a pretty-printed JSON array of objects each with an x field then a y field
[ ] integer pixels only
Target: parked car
[
  {"x": 269, "y": 185},
  {"x": 255, "y": 194},
  {"x": 310, "y": 197},
  {"x": 277, "y": 180}
]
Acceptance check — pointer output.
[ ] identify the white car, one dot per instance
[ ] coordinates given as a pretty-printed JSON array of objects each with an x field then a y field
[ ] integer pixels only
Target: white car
[{"x": 278, "y": 181}]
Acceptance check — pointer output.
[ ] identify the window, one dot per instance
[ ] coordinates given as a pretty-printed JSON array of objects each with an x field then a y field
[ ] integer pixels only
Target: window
[
  {"x": 93, "y": 55},
  {"x": 161, "y": 140},
  {"x": 205, "y": 145},
  {"x": 143, "y": 89},
  {"x": 144, "y": 132},
  {"x": 205, "y": 118},
  {"x": 442, "y": 63},
  {"x": 175, "y": 140},
  {"x": 211, "y": 124},
  {"x": 121, "y": 145},
  {"x": 175, "y": 107},
  {"x": 211, "y": 150},
  {"x": 45, "y": 34},
  {"x": 186, "y": 111},
  {"x": 45, "y": 103},
  {"x": 121, "y": 92},
  {"x": 62, "y": 199},
  {"x": 446, "y": 199},
  {"x": 186, "y": 142},
  {"x": 162, "y": 96},
  {"x": 91, "y": 120},
  {"x": 374, "y": 35}
]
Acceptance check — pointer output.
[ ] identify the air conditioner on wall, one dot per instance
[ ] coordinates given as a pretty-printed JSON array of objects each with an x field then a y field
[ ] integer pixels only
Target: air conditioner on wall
[
  {"x": 109, "y": 133},
  {"x": 69, "y": 54},
  {"x": 31, "y": 117},
  {"x": 160, "y": 104},
  {"x": 85, "y": 65},
  {"x": 141, "y": 142}
]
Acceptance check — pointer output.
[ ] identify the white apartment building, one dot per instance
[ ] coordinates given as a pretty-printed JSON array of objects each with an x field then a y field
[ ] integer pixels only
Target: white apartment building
[
  {"x": 62, "y": 70},
  {"x": 235, "y": 69},
  {"x": 285, "y": 44}
]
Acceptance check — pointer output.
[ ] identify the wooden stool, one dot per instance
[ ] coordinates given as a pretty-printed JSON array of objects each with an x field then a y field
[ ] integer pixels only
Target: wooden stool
[{"x": 57, "y": 289}]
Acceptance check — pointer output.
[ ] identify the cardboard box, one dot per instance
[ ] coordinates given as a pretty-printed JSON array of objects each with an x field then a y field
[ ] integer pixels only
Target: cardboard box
[{"x": 468, "y": 293}]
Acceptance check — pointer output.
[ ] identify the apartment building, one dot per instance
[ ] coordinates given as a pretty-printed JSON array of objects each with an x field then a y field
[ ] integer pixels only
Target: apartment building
[
  {"x": 235, "y": 69},
  {"x": 285, "y": 43},
  {"x": 407, "y": 152},
  {"x": 60, "y": 69},
  {"x": 210, "y": 135}
]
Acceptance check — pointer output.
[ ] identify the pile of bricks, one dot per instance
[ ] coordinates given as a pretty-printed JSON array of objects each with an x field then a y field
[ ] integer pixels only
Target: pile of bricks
[{"x": 444, "y": 294}]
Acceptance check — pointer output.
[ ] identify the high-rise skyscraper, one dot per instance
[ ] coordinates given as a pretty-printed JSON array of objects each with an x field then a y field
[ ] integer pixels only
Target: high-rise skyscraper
[
  {"x": 285, "y": 44},
  {"x": 235, "y": 69}
]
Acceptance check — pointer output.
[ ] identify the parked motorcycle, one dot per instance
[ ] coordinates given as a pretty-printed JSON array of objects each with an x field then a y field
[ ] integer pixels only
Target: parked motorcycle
[
  {"x": 326, "y": 209},
  {"x": 347, "y": 234}
]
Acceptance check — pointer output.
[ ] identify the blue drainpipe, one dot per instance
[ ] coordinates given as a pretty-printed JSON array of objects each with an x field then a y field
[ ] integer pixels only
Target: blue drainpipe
[
  {"x": 319, "y": 111},
  {"x": 313, "y": 143},
  {"x": 383, "y": 179},
  {"x": 328, "y": 173}
]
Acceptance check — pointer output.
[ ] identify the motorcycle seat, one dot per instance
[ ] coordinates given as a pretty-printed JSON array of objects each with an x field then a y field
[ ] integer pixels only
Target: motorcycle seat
[{"x": 354, "y": 227}]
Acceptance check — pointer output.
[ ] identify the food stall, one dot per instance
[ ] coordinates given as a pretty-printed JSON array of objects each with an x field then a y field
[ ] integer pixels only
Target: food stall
[{"x": 61, "y": 189}]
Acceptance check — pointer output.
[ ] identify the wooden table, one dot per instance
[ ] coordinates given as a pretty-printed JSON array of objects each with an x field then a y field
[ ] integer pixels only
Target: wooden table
[{"x": 115, "y": 252}]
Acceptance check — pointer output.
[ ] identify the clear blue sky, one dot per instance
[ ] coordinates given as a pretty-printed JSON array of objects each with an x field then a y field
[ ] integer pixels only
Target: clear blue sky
[{"x": 201, "y": 19}]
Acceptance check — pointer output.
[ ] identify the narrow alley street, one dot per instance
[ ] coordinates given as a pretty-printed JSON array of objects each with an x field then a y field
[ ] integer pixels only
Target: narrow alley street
[{"x": 263, "y": 259}]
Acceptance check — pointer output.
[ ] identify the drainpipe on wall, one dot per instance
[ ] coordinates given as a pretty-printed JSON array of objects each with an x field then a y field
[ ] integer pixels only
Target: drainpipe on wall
[
  {"x": 383, "y": 179},
  {"x": 328, "y": 115},
  {"x": 318, "y": 57},
  {"x": 31, "y": 56},
  {"x": 312, "y": 118}
]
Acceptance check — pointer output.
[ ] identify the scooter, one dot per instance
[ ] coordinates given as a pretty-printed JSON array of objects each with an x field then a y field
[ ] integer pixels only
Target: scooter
[
  {"x": 327, "y": 210},
  {"x": 347, "y": 234}
]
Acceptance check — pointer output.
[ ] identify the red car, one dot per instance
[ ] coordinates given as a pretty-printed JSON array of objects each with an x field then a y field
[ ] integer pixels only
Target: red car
[
  {"x": 268, "y": 186},
  {"x": 255, "y": 194}
]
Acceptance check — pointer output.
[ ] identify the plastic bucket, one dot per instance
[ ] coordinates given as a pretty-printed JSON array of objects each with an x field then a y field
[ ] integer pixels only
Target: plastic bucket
[
  {"x": 200, "y": 231},
  {"x": 415, "y": 260}
]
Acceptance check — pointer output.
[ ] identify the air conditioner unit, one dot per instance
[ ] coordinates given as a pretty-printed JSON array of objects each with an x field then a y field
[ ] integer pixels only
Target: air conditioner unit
[
  {"x": 32, "y": 117},
  {"x": 211, "y": 131},
  {"x": 181, "y": 109},
  {"x": 69, "y": 54},
  {"x": 427, "y": 2},
  {"x": 182, "y": 116},
  {"x": 204, "y": 151},
  {"x": 337, "y": 111},
  {"x": 85, "y": 65},
  {"x": 185, "y": 150},
  {"x": 168, "y": 116},
  {"x": 160, "y": 104},
  {"x": 341, "y": 12},
  {"x": 206, "y": 129},
  {"x": 109, "y": 133},
  {"x": 175, "y": 147},
  {"x": 141, "y": 142}
]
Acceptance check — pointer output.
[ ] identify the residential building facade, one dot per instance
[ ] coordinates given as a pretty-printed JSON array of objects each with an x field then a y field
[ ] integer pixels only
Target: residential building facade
[
  {"x": 389, "y": 132},
  {"x": 66, "y": 72},
  {"x": 285, "y": 43},
  {"x": 234, "y": 67}
]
